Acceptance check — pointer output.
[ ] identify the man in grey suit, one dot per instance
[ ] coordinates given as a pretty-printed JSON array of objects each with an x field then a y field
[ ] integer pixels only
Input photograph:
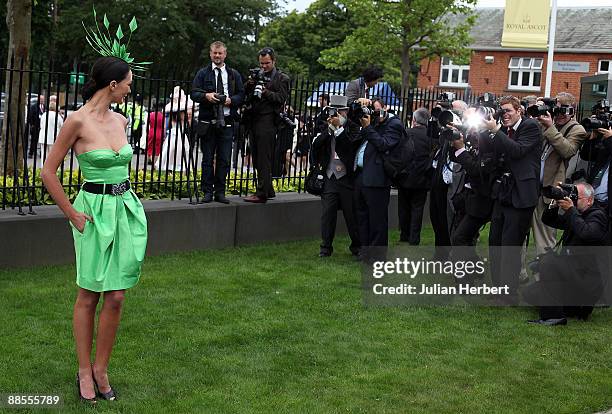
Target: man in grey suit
[{"x": 357, "y": 90}]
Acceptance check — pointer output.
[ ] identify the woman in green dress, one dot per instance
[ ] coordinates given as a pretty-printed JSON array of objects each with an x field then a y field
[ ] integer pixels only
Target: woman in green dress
[{"x": 107, "y": 219}]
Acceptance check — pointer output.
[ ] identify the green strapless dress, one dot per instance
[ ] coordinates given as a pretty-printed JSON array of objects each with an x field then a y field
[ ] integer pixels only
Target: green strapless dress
[{"x": 110, "y": 251}]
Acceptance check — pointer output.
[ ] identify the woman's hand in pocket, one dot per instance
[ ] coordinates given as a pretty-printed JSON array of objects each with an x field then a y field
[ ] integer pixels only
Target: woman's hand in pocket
[{"x": 78, "y": 220}]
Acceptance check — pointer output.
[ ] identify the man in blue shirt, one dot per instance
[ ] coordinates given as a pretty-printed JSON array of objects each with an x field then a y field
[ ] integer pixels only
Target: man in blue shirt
[{"x": 380, "y": 133}]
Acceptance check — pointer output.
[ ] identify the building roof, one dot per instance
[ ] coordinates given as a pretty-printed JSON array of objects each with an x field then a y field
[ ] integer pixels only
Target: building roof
[{"x": 583, "y": 29}]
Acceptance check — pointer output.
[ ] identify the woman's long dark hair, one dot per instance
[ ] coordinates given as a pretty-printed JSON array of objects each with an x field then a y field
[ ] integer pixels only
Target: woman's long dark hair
[{"x": 104, "y": 71}]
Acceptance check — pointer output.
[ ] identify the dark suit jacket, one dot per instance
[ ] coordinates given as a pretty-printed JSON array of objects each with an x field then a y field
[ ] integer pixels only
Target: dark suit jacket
[
  {"x": 34, "y": 115},
  {"x": 598, "y": 152},
  {"x": 522, "y": 158},
  {"x": 354, "y": 90},
  {"x": 347, "y": 144},
  {"x": 206, "y": 81},
  {"x": 381, "y": 139},
  {"x": 476, "y": 163},
  {"x": 420, "y": 177}
]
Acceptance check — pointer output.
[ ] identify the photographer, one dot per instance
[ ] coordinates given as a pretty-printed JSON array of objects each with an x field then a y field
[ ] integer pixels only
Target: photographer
[
  {"x": 516, "y": 191},
  {"x": 570, "y": 283},
  {"x": 477, "y": 157},
  {"x": 220, "y": 92},
  {"x": 442, "y": 175},
  {"x": 334, "y": 149},
  {"x": 597, "y": 150},
  {"x": 562, "y": 139},
  {"x": 412, "y": 191},
  {"x": 380, "y": 133},
  {"x": 267, "y": 91},
  {"x": 357, "y": 90}
]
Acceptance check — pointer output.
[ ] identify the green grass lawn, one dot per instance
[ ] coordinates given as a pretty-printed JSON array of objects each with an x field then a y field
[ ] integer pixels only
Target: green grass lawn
[{"x": 273, "y": 328}]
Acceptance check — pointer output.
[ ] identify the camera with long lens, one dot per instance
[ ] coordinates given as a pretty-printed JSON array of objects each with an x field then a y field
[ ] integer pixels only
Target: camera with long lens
[
  {"x": 285, "y": 120},
  {"x": 475, "y": 121},
  {"x": 560, "y": 192},
  {"x": 358, "y": 111},
  {"x": 445, "y": 118},
  {"x": 601, "y": 116},
  {"x": 546, "y": 107},
  {"x": 596, "y": 121},
  {"x": 219, "y": 112},
  {"x": 258, "y": 76}
]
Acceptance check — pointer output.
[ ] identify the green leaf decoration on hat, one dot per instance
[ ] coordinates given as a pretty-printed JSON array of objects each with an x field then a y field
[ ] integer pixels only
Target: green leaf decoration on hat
[{"x": 106, "y": 45}]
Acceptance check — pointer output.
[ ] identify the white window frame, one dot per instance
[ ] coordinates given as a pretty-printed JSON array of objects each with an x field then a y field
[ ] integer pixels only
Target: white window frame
[
  {"x": 525, "y": 66},
  {"x": 450, "y": 67},
  {"x": 599, "y": 66}
]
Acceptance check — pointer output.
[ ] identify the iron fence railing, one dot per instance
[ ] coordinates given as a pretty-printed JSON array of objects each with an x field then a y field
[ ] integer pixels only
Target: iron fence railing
[{"x": 178, "y": 176}]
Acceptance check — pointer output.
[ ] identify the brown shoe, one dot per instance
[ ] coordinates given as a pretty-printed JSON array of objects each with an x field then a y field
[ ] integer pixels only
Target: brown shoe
[{"x": 255, "y": 199}]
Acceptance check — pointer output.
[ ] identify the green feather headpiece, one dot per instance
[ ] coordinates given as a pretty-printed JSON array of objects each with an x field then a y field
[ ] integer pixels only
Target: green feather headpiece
[{"x": 107, "y": 46}]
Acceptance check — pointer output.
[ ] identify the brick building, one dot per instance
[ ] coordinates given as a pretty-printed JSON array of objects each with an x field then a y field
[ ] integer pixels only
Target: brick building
[{"x": 583, "y": 47}]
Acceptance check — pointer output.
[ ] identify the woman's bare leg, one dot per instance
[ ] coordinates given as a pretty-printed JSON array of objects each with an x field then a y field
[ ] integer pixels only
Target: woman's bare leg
[
  {"x": 107, "y": 330},
  {"x": 83, "y": 327}
]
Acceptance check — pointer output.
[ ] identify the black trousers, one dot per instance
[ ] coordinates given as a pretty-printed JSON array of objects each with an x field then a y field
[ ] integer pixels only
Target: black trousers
[
  {"x": 467, "y": 230},
  {"x": 465, "y": 236},
  {"x": 372, "y": 209},
  {"x": 410, "y": 207},
  {"x": 509, "y": 228},
  {"x": 217, "y": 146},
  {"x": 33, "y": 140},
  {"x": 438, "y": 215},
  {"x": 262, "y": 148},
  {"x": 338, "y": 195}
]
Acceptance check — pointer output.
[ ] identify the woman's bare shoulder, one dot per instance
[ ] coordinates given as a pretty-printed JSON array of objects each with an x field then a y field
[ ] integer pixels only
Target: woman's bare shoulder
[{"x": 120, "y": 117}]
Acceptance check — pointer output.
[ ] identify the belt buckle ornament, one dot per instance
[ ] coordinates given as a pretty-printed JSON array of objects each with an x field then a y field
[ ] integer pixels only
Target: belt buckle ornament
[{"x": 119, "y": 189}]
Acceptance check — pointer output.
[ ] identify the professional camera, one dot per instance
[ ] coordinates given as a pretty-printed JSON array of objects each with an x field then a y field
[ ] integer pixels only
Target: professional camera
[
  {"x": 286, "y": 120},
  {"x": 330, "y": 111},
  {"x": 548, "y": 106},
  {"x": 560, "y": 192},
  {"x": 258, "y": 76},
  {"x": 601, "y": 116},
  {"x": 218, "y": 108},
  {"x": 445, "y": 118},
  {"x": 596, "y": 121},
  {"x": 358, "y": 111}
]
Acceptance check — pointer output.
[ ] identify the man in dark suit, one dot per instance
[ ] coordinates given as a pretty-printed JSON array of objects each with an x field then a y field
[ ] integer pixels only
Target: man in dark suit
[
  {"x": 518, "y": 141},
  {"x": 597, "y": 149},
  {"x": 216, "y": 119},
  {"x": 334, "y": 149},
  {"x": 479, "y": 162},
  {"x": 264, "y": 120},
  {"x": 372, "y": 186},
  {"x": 412, "y": 190},
  {"x": 357, "y": 89},
  {"x": 571, "y": 282},
  {"x": 34, "y": 114}
]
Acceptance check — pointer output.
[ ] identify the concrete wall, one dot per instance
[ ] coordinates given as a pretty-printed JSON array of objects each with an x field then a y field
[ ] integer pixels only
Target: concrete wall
[{"x": 46, "y": 238}]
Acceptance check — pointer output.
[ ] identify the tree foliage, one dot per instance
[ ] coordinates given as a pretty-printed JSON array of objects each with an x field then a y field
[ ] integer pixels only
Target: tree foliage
[
  {"x": 174, "y": 34},
  {"x": 398, "y": 34},
  {"x": 299, "y": 38}
]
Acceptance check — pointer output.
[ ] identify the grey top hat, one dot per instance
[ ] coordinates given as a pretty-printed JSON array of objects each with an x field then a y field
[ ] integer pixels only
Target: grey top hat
[{"x": 338, "y": 101}]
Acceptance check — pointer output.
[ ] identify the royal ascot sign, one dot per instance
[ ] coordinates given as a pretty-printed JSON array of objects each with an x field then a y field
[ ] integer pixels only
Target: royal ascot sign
[{"x": 526, "y": 24}]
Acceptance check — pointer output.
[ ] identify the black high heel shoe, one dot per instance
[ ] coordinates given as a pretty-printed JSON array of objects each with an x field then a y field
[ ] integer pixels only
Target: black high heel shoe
[
  {"x": 109, "y": 396},
  {"x": 91, "y": 401}
]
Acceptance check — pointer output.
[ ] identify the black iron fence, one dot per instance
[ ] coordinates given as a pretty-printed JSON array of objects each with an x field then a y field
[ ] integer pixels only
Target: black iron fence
[{"x": 167, "y": 155}]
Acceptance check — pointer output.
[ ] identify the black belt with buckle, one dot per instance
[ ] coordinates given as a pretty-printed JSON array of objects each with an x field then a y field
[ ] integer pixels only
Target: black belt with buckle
[{"x": 110, "y": 189}]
